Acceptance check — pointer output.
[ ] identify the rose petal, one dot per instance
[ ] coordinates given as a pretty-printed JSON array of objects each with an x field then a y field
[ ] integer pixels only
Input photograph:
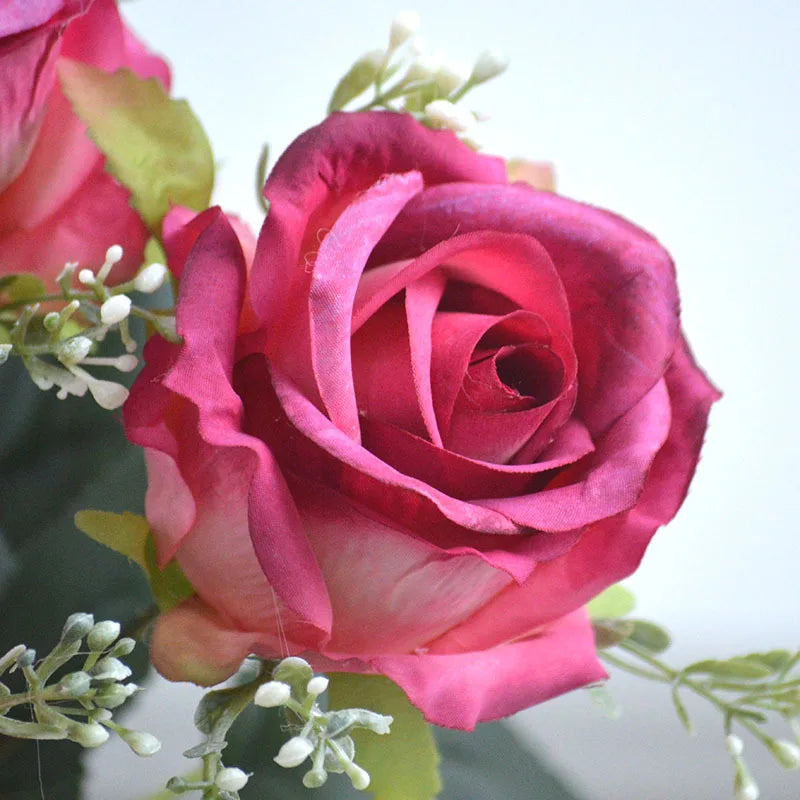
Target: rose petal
[
  {"x": 379, "y": 577},
  {"x": 319, "y": 175},
  {"x": 619, "y": 281},
  {"x": 467, "y": 478},
  {"x": 99, "y": 204},
  {"x": 304, "y": 440},
  {"x": 610, "y": 550},
  {"x": 612, "y": 480},
  {"x": 202, "y": 373},
  {"x": 337, "y": 269},
  {"x": 459, "y": 690}
]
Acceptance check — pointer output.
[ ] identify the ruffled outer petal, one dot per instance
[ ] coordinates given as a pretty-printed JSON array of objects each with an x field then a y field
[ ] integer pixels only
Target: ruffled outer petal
[
  {"x": 203, "y": 399},
  {"x": 461, "y": 689}
]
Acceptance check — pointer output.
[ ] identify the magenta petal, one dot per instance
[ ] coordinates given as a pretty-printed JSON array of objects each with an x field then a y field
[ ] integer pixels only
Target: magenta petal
[
  {"x": 326, "y": 168},
  {"x": 422, "y": 299},
  {"x": 71, "y": 234},
  {"x": 467, "y": 478},
  {"x": 610, "y": 483},
  {"x": 202, "y": 373},
  {"x": 338, "y": 267},
  {"x": 610, "y": 550},
  {"x": 619, "y": 281},
  {"x": 459, "y": 690}
]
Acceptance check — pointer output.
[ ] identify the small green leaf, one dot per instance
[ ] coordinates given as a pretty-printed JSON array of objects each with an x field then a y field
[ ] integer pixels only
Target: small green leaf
[
  {"x": 129, "y": 534},
  {"x": 153, "y": 144},
  {"x": 616, "y": 601},
  {"x": 650, "y": 636},
  {"x": 403, "y": 765},
  {"x": 610, "y": 632},
  {"x": 22, "y": 286},
  {"x": 739, "y": 667},
  {"x": 774, "y": 660},
  {"x": 357, "y": 80},
  {"x": 683, "y": 714}
]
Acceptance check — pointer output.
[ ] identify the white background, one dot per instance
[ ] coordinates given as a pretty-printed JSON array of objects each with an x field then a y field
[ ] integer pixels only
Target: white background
[{"x": 682, "y": 116}]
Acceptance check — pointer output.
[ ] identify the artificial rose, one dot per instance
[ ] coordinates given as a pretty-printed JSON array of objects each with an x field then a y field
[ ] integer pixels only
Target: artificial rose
[
  {"x": 57, "y": 203},
  {"x": 436, "y": 415}
]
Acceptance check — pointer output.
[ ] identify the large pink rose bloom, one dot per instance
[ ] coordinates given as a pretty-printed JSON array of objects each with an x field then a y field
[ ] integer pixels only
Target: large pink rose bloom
[
  {"x": 435, "y": 416},
  {"x": 57, "y": 203}
]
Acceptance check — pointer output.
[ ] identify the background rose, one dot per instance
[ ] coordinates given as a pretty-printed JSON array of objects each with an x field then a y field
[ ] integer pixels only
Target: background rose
[
  {"x": 57, "y": 203},
  {"x": 427, "y": 470}
]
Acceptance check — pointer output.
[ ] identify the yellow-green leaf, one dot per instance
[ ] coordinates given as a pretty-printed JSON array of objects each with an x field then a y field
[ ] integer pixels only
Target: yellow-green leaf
[
  {"x": 129, "y": 534},
  {"x": 403, "y": 765},
  {"x": 153, "y": 144},
  {"x": 22, "y": 286},
  {"x": 357, "y": 80},
  {"x": 616, "y": 601}
]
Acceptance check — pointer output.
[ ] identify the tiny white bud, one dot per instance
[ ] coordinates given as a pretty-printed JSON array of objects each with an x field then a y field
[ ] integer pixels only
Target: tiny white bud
[
  {"x": 358, "y": 777},
  {"x": 231, "y": 779},
  {"x": 103, "y": 634},
  {"x": 100, "y": 715},
  {"x": 734, "y": 744},
  {"x": 88, "y": 735},
  {"x": 5, "y": 351},
  {"x": 74, "y": 350},
  {"x": 107, "y": 394},
  {"x": 272, "y": 694},
  {"x": 86, "y": 277},
  {"x": 787, "y": 753},
  {"x": 142, "y": 743},
  {"x": 451, "y": 75},
  {"x": 66, "y": 273},
  {"x": 747, "y": 791},
  {"x": 150, "y": 278},
  {"x": 404, "y": 26},
  {"x": 126, "y": 363},
  {"x": 315, "y": 778},
  {"x": 445, "y": 114},
  {"x": 123, "y": 647},
  {"x": 74, "y": 684},
  {"x": 114, "y": 254},
  {"x": 489, "y": 65},
  {"x": 317, "y": 685},
  {"x": 115, "y": 309},
  {"x": 294, "y": 752},
  {"x": 51, "y": 320},
  {"x": 110, "y": 669}
]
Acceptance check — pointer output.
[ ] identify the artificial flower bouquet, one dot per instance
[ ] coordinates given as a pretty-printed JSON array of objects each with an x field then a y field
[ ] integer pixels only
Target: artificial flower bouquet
[{"x": 401, "y": 443}]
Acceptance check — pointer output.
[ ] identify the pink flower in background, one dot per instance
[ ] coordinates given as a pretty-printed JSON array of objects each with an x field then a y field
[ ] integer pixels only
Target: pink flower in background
[
  {"x": 57, "y": 203},
  {"x": 436, "y": 415}
]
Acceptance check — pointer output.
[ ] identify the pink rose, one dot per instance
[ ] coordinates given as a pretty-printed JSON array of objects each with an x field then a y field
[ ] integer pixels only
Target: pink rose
[
  {"x": 452, "y": 411},
  {"x": 57, "y": 203}
]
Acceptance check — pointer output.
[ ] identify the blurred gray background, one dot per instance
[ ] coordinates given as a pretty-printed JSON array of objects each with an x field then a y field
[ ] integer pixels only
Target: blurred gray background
[{"x": 682, "y": 116}]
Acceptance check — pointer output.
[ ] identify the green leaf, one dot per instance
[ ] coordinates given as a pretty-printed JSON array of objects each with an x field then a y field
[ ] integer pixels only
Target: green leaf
[
  {"x": 403, "y": 765},
  {"x": 22, "y": 286},
  {"x": 616, "y": 601},
  {"x": 680, "y": 708},
  {"x": 153, "y": 144},
  {"x": 739, "y": 667},
  {"x": 129, "y": 534},
  {"x": 650, "y": 636},
  {"x": 357, "y": 80}
]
